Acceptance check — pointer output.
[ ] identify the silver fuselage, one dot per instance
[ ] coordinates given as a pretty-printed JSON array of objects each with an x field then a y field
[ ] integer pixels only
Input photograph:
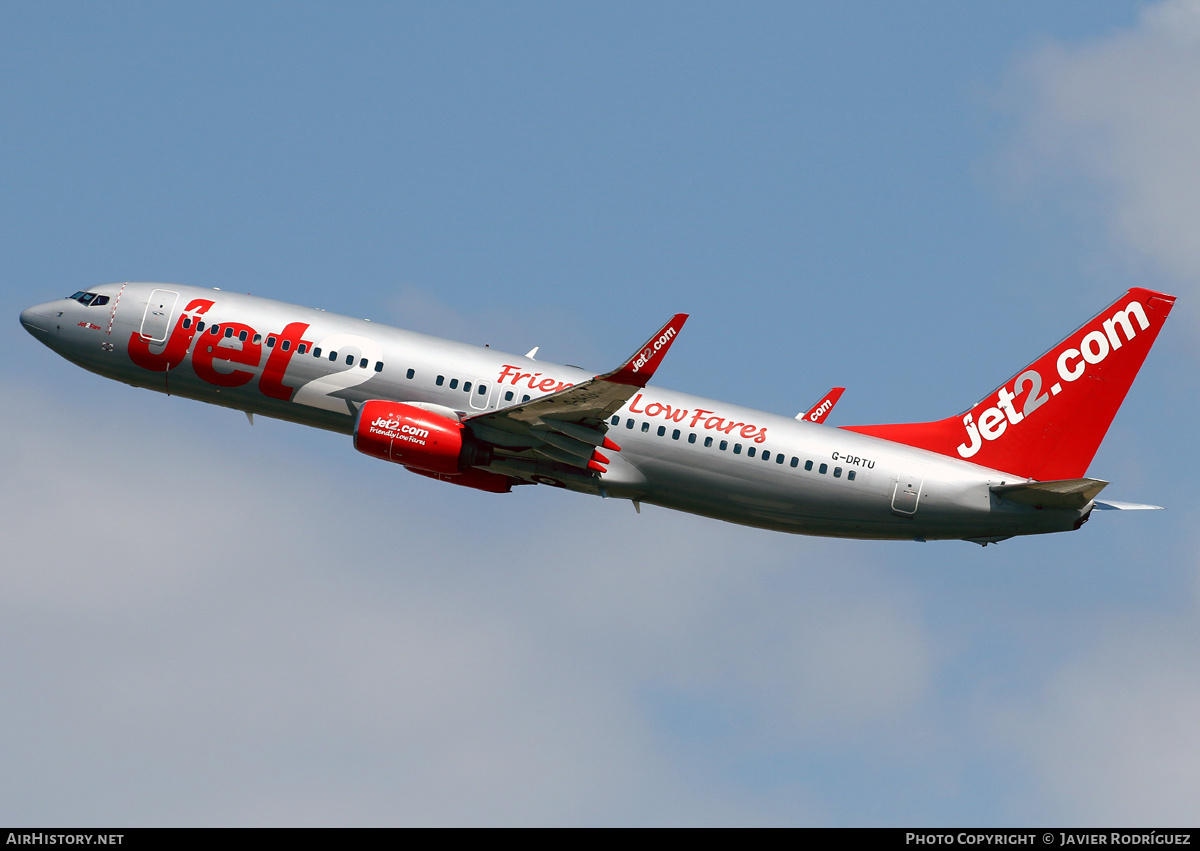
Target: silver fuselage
[{"x": 677, "y": 450}]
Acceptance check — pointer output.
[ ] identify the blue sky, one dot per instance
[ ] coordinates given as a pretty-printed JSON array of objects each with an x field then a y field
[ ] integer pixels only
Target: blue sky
[{"x": 207, "y": 623}]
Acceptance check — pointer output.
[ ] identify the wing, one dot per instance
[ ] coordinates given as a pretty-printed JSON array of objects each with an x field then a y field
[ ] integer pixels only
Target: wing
[{"x": 567, "y": 428}]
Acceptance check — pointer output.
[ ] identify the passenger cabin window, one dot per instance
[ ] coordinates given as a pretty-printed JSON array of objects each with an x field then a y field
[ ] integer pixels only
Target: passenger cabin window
[
  {"x": 243, "y": 335},
  {"x": 187, "y": 322},
  {"x": 645, "y": 426},
  {"x": 287, "y": 344},
  {"x": 662, "y": 430},
  {"x": 411, "y": 373},
  {"x": 441, "y": 379},
  {"x": 481, "y": 389},
  {"x": 795, "y": 461},
  {"x": 850, "y": 475},
  {"x": 466, "y": 387},
  {"x": 737, "y": 449},
  {"x": 675, "y": 434},
  {"x": 724, "y": 445},
  {"x": 379, "y": 366},
  {"x": 508, "y": 397},
  {"x": 779, "y": 459},
  {"x": 629, "y": 423},
  {"x": 614, "y": 421},
  {"x": 808, "y": 466},
  {"x": 349, "y": 360},
  {"x": 362, "y": 364},
  {"x": 823, "y": 469},
  {"x": 316, "y": 351},
  {"x": 692, "y": 438},
  {"x": 302, "y": 348},
  {"x": 708, "y": 441},
  {"x": 766, "y": 456},
  {"x": 332, "y": 357},
  {"x": 453, "y": 383},
  {"x": 228, "y": 333},
  {"x": 750, "y": 450},
  {"x": 215, "y": 330},
  {"x": 837, "y": 472}
]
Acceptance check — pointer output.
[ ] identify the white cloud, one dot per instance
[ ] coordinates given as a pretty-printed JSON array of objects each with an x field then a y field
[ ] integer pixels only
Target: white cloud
[
  {"x": 1111, "y": 127},
  {"x": 1121, "y": 112},
  {"x": 205, "y": 631},
  {"x": 1113, "y": 739}
]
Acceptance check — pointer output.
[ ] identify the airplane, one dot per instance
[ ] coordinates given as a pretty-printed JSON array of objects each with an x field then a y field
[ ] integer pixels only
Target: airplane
[{"x": 1014, "y": 463}]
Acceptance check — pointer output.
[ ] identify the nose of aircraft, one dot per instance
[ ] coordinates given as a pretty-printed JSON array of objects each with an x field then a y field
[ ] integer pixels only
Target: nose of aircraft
[{"x": 39, "y": 319}]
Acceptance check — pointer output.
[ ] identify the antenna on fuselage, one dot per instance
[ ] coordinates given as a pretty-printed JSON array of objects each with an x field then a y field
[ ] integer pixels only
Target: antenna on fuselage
[{"x": 532, "y": 352}]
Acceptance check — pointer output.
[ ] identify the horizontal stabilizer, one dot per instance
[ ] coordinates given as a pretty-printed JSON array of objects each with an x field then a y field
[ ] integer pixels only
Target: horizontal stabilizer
[
  {"x": 1063, "y": 493},
  {"x": 1110, "y": 505}
]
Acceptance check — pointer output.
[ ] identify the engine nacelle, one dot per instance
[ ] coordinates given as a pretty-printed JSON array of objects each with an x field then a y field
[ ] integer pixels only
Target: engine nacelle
[
  {"x": 479, "y": 479},
  {"x": 418, "y": 439}
]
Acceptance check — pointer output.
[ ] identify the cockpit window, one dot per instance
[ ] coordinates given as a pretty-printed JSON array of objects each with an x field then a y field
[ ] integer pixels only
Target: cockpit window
[{"x": 90, "y": 299}]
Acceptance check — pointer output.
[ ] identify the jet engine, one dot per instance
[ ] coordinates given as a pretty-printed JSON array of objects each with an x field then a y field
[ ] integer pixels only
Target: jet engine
[{"x": 425, "y": 443}]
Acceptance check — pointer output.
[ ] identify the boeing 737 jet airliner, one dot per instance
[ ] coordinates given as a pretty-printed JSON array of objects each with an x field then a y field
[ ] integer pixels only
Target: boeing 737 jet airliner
[{"x": 1013, "y": 464}]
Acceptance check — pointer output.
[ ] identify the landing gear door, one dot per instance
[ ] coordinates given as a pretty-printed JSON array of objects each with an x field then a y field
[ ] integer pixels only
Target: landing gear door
[
  {"x": 907, "y": 495},
  {"x": 157, "y": 319}
]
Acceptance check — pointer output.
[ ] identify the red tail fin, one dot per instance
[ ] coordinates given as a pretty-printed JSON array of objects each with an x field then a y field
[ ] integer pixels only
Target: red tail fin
[{"x": 1047, "y": 421}]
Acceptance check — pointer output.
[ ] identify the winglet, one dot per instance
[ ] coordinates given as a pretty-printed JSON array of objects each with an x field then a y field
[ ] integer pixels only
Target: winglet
[
  {"x": 639, "y": 369},
  {"x": 818, "y": 412}
]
